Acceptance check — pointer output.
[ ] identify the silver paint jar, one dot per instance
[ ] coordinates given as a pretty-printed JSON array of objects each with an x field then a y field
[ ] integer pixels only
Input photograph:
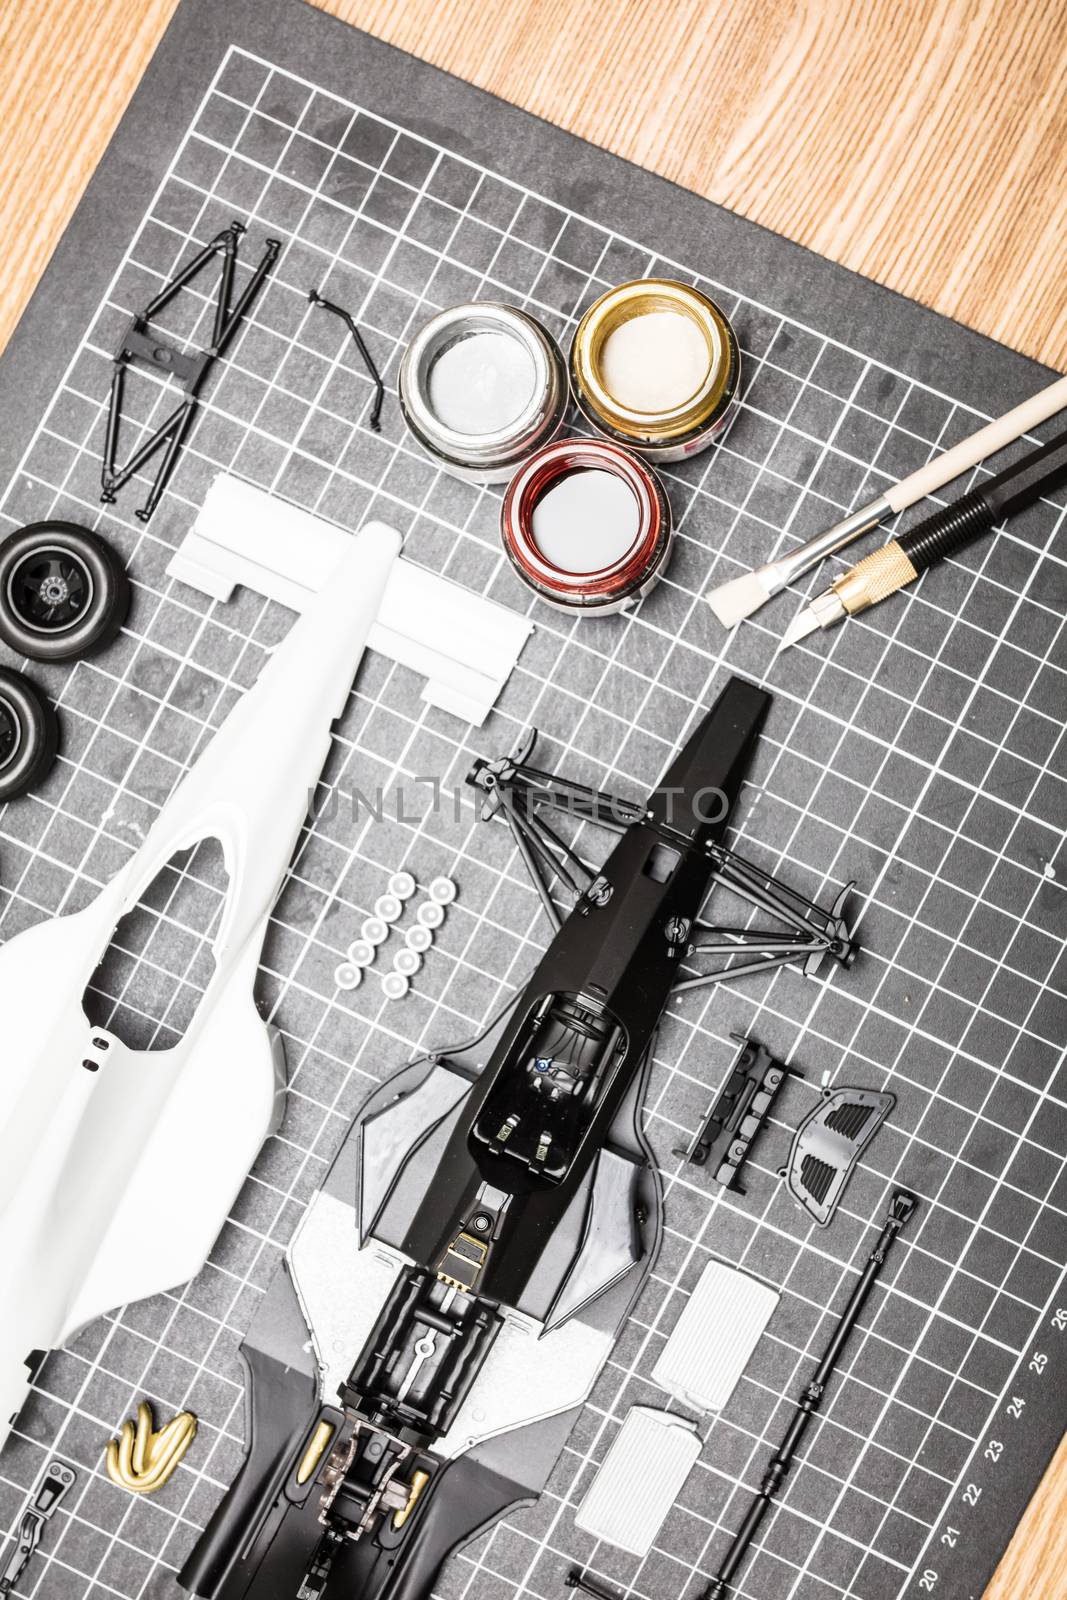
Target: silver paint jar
[{"x": 483, "y": 386}]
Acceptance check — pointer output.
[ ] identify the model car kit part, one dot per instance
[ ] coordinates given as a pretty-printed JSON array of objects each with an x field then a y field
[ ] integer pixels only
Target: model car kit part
[
  {"x": 395, "y": 985},
  {"x": 828, "y": 1145},
  {"x": 901, "y": 1208},
  {"x": 463, "y": 644},
  {"x": 374, "y": 420},
  {"x": 142, "y": 344},
  {"x": 455, "y": 1287},
  {"x": 402, "y": 884},
  {"x": 737, "y": 1114},
  {"x": 143, "y": 1460},
  {"x": 431, "y": 915},
  {"x": 443, "y": 891},
  {"x": 418, "y": 938},
  {"x": 640, "y": 1479},
  {"x": 389, "y": 907},
  {"x": 348, "y": 975},
  {"x": 64, "y": 591},
  {"x": 374, "y": 930},
  {"x": 69, "y": 1089},
  {"x": 521, "y": 794},
  {"x": 57, "y": 1480},
  {"x": 29, "y": 734},
  {"x": 715, "y": 1337}
]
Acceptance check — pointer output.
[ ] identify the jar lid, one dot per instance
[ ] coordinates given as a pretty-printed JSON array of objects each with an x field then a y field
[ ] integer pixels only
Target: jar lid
[
  {"x": 695, "y": 373},
  {"x": 586, "y": 524},
  {"x": 480, "y": 384}
]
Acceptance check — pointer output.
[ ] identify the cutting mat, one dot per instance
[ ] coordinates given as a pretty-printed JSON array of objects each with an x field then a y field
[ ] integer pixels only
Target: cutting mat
[{"x": 918, "y": 751}]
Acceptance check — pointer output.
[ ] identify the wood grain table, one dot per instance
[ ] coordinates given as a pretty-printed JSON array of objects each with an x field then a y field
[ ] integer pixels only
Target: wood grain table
[{"x": 921, "y": 142}]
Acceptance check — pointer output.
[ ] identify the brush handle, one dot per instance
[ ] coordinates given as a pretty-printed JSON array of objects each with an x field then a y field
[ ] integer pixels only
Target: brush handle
[{"x": 986, "y": 442}]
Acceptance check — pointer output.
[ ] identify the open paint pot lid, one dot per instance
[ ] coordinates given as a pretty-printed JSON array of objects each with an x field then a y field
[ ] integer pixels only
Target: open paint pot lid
[
  {"x": 481, "y": 386},
  {"x": 587, "y": 525}
]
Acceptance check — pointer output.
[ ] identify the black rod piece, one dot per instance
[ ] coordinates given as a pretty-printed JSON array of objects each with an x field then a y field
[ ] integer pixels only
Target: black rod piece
[
  {"x": 349, "y": 321},
  {"x": 901, "y": 1208},
  {"x": 576, "y": 1579}
]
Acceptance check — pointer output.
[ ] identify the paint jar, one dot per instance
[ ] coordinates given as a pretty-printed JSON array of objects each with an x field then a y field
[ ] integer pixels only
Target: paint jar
[
  {"x": 655, "y": 366},
  {"x": 481, "y": 387},
  {"x": 587, "y": 526}
]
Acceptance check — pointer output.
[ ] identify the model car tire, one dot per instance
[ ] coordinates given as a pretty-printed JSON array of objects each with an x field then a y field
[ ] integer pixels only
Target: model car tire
[
  {"x": 63, "y": 592},
  {"x": 29, "y": 734}
]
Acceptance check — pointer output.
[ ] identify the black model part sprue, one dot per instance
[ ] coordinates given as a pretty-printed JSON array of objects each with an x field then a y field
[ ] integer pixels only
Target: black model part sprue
[{"x": 479, "y": 1241}]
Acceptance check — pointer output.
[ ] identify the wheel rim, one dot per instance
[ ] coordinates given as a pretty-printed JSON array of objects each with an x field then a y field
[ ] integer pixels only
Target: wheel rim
[
  {"x": 10, "y": 733},
  {"x": 50, "y": 591}
]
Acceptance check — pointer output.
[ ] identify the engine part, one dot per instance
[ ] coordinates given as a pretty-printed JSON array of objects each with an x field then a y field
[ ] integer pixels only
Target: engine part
[
  {"x": 901, "y": 1209},
  {"x": 29, "y": 734},
  {"x": 829, "y": 1143},
  {"x": 58, "y": 1479},
  {"x": 141, "y": 343},
  {"x": 713, "y": 1340},
  {"x": 640, "y": 1479},
  {"x": 142, "y": 1460},
  {"x": 737, "y": 1114},
  {"x": 200, "y": 1110},
  {"x": 63, "y": 591}
]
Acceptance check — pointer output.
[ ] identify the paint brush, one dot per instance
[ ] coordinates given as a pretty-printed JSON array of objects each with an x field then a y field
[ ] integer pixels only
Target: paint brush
[
  {"x": 901, "y": 561},
  {"x": 739, "y": 598}
]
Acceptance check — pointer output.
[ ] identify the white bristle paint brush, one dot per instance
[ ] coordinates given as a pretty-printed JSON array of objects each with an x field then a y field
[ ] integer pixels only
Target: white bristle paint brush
[{"x": 733, "y": 601}]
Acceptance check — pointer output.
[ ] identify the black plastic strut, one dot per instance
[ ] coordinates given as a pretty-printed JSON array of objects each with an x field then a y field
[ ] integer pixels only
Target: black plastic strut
[
  {"x": 522, "y": 793},
  {"x": 901, "y": 1208},
  {"x": 189, "y": 367}
]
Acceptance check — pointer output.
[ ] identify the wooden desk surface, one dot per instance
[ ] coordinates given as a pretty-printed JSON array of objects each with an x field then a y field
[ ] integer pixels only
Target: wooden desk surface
[{"x": 923, "y": 143}]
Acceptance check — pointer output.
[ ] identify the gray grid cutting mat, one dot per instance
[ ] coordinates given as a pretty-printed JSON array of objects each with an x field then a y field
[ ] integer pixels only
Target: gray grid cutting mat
[{"x": 918, "y": 751}]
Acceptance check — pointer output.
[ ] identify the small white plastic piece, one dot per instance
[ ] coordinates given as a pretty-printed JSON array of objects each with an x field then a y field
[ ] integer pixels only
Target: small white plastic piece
[
  {"x": 407, "y": 961},
  {"x": 714, "y": 1338},
  {"x": 347, "y": 975},
  {"x": 443, "y": 890},
  {"x": 418, "y": 939},
  {"x": 375, "y": 930},
  {"x": 395, "y": 986},
  {"x": 389, "y": 907},
  {"x": 362, "y": 953},
  {"x": 403, "y": 885},
  {"x": 431, "y": 914},
  {"x": 464, "y": 644},
  {"x": 640, "y": 1479}
]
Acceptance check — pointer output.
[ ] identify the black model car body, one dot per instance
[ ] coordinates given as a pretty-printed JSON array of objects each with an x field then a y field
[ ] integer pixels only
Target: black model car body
[{"x": 457, "y": 1284}]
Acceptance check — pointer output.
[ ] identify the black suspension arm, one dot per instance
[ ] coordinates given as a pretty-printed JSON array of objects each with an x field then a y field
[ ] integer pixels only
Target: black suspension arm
[{"x": 902, "y": 1207}]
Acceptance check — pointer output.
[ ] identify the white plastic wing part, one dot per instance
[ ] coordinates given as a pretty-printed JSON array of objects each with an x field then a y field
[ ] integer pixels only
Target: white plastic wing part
[{"x": 118, "y": 1166}]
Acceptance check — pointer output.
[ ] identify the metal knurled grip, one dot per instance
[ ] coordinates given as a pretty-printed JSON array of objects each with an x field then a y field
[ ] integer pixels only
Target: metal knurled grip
[{"x": 874, "y": 578}]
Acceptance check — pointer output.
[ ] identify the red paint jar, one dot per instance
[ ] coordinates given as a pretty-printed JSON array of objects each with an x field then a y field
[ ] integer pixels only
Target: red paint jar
[{"x": 587, "y": 526}]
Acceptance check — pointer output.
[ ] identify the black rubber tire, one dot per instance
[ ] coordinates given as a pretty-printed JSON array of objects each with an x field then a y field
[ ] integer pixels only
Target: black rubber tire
[
  {"x": 89, "y": 582},
  {"x": 29, "y": 734}
]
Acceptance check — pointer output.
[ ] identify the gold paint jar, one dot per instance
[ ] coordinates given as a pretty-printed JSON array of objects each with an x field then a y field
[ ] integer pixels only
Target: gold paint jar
[{"x": 655, "y": 366}]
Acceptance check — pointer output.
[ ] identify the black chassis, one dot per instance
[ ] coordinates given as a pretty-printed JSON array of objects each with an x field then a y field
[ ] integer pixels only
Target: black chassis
[{"x": 493, "y": 1212}]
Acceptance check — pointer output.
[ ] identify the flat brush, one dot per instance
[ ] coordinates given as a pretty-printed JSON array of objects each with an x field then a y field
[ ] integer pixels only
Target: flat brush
[
  {"x": 739, "y": 598},
  {"x": 901, "y": 561}
]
